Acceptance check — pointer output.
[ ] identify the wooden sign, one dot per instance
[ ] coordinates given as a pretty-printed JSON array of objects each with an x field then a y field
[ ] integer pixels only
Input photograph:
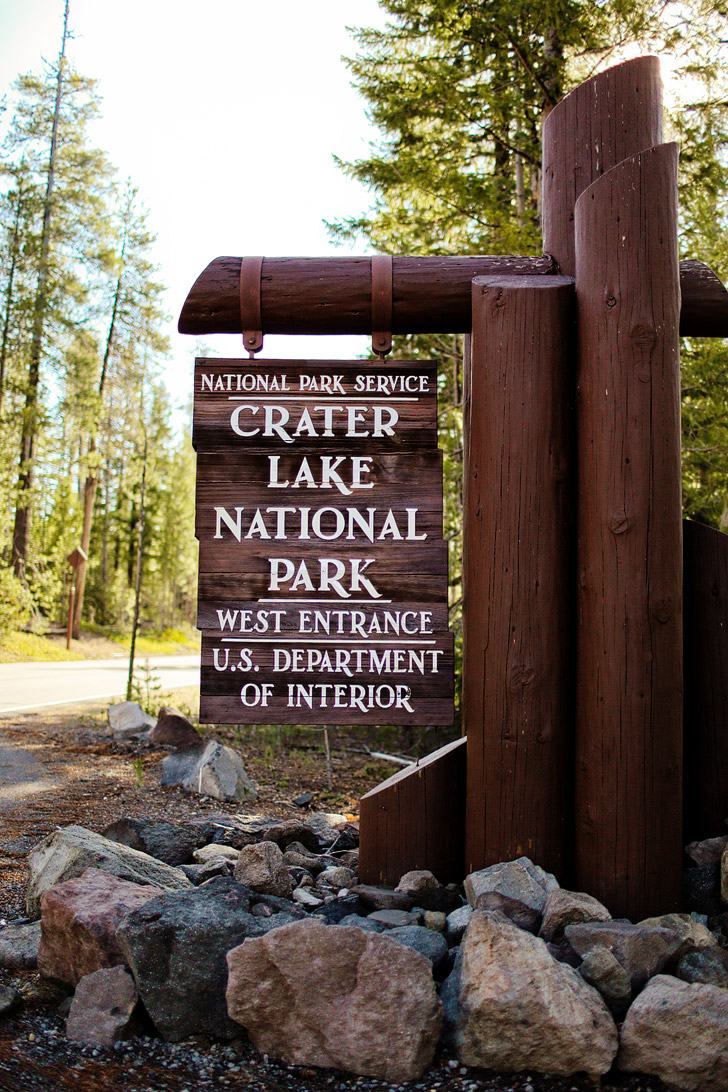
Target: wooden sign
[{"x": 323, "y": 571}]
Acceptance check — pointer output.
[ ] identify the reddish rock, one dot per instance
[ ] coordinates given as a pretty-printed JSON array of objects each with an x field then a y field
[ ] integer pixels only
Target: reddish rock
[
  {"x": 102, "y": 1009},
  {"x": 331, "y": 996},
  {"x": 79, "y": 919},
  {"x": 173, "y": 729}
]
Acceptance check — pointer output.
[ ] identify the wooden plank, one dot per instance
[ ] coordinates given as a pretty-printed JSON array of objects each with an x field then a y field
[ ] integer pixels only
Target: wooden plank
[
  {"x": 431, "y": 295},
  {"x": 356, "y": 406},
  {"x": 629, "y": 669},
  {"x": 613, "y": 115},
  {"x": 518, "y": 546},
  {"x": 705, "y": 601},
  {"x": 416, "y": 819}
]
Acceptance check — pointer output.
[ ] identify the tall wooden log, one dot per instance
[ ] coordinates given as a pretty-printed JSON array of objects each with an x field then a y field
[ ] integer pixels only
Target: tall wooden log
[
  {"x": 629, "y": 667},
  {"x": 706, "y": 681},
  {"x": 519, "y": 563},
  {"x": 431, "y": 294},
  {"x": 603, "y": 121}
]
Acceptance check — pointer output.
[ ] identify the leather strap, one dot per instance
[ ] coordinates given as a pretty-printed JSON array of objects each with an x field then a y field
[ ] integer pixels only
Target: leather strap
[
  {"x": 250, "y": 320},
  {"x": 382, "y": 304}
]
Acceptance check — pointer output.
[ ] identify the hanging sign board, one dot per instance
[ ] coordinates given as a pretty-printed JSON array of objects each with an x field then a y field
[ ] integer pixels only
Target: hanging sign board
[{"x": 323, "y": 571}]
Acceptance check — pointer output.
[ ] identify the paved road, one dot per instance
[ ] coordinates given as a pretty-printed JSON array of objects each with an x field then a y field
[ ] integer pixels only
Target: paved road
[{"x": 26, "y": 688}]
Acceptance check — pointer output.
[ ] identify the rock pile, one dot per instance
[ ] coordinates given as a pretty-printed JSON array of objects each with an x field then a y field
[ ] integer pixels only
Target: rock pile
[{"x": 244, "y": 922}]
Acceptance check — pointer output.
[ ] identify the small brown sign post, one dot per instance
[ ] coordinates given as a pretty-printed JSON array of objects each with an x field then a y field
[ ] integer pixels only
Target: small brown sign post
[{"x": 323, "y": 571}]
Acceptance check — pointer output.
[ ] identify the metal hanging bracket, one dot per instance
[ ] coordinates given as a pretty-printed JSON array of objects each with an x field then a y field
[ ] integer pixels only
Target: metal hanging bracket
[
  {"x": 250, "y": 314},
  {"x": 382, "y": 304}
]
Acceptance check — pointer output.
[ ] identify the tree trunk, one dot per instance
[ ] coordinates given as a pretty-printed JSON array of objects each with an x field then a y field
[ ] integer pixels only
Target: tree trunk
[{"x": 21, "y": 530}]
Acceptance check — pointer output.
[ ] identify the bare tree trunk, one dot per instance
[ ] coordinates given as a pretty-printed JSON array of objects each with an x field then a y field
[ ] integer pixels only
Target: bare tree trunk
[
  {"x": 9, "y": 296},
  {"x": 21, "y": 530}
]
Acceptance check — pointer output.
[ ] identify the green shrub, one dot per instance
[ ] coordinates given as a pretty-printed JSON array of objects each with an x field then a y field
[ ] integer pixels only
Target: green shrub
[{"x": 16, "y": 603}]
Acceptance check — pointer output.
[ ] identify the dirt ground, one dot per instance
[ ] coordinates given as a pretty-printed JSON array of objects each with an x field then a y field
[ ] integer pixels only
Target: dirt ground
[{"x": 62, "y": 768}]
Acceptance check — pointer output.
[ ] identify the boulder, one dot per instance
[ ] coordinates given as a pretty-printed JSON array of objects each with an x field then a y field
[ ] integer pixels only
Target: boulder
[
  {"x": 694, "y": 934},
  {"x": 67, "y": 853},
  {"x": 707, "y": 852},
  {"x": 19, "y": 945},
  {"x": 102, "y": 1009},
  {"x": 209, "y": 769},
  {"x": 564, "y": 908},
  {"x": 521, "y": 880},
  {"x": 457, "y": 923},
  {"x": 512, "y": 1007},
  {"x": 431, "y": 945},
  {"x": 678, "y": 1032},
  {"x": 643, "y": 950},
  {"x": 175, "y": 946},
  {"x": 214, "y": 851},
  {"x": 128, "y": 719},
  {"x": 381, "y": 898},
  {"x": 261, "y": 868},
  {"x": 607, "y": 975},
  {"x": 525, "y": 917},
  {"x": 417, "y": 880},
  {"x": 706, "y": 965},
  {"x": 338, "y": 998},
  {"x": 338, "y": 877},
  {"x": 173, "y": 843},
  {"x": 78, "y": 922},
  {"x": 10, "y": 1000},
  {"x": 173, "y": 729}
]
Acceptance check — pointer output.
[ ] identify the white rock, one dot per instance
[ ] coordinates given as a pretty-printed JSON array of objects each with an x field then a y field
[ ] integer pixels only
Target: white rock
[
  {"x": 520, "y": 879},
  {"x": 210, "y": 769},
  {"x": 127, "y": 718},
  {"x": 307, "y": 899},
  {"x": 678, "y": 1031},
  {"x": 211, "y": 851},
  {"x": 513, "y": 1007}
]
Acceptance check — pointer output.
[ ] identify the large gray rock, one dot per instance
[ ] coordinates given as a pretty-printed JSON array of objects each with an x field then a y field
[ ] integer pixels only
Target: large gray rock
[
  {"x": 521, "y": 880},
  {"x": 457, "y": 923},
  {"x": 173, "y": 843},
  {"x": 564, "y": 908},
  {"x": 513, "y": 1007},
  {"x": 693, "y": 933},
  {"x": 261, "y": 867},
  {"x": 643, "y": 950},
  {"x": 607, "y": 975},
  {"x": 67, "y": 853},
  {"x": 176, "y": 946},
  {"x": 678, "y": 1032},
  {"x": 19, "y": 946},
  {"x": 102, "y": 1009},
  {"x": 79, "y": 919},
  {"x": 329, "y": 996},
  {"x": 127, "y": 719},
  {"x": 706, "y": 965},
  {"x": 209, "y": 769}
]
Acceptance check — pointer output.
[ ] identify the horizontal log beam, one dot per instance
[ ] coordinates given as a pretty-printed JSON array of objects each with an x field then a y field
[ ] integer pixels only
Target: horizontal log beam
[{"x": 431, "y": 295}]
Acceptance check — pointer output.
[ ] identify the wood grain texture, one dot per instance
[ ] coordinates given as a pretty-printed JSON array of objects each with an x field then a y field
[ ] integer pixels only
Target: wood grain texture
[
  {"x": 706, "y": 681},
  {"x": 415, "y": 820},
  {"x": 431, "y": 295},
  {"x": 629, "y": 665},
  {"x": 613, "y": 115},
  {"x": 518, "y": 546}
]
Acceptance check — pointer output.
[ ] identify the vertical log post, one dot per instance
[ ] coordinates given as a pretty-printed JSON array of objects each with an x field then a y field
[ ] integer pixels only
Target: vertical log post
[
  {"x": 602, "y": 121},
  {"x": 628, "y": 784},
  {"x": 518, "y": 553}
]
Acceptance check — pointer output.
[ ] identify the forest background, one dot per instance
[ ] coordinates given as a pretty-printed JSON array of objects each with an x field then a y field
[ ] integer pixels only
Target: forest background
[{"x": 457, "y": 91}]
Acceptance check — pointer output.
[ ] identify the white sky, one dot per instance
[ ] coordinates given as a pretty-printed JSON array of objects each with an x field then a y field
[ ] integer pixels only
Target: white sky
[{"x": 226, "y": 115}]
